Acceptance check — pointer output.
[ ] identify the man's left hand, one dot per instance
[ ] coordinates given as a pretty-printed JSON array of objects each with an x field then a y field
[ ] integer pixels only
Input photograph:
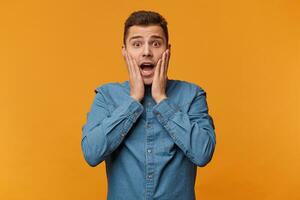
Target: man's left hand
[{"x": 160, "y": 78}]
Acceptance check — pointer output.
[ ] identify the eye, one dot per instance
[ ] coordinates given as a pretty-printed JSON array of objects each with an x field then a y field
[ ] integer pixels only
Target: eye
[
  {"x": 156, "y": 44},
  {"x": 136, "y": 44}
]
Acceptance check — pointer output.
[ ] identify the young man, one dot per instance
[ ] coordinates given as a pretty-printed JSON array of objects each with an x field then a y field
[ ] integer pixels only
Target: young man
[{"x": 151, "y": 131}]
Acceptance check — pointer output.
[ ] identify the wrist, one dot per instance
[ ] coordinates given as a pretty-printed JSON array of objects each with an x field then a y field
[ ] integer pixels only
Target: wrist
[
  {"x": 161, "y": 98},
  {"x": 135, "y": 98}
]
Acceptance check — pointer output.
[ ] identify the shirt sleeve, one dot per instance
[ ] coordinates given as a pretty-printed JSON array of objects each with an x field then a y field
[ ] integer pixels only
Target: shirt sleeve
[
  {"x": 193, "y": 131},
  {"x": 103, "y": 131}
]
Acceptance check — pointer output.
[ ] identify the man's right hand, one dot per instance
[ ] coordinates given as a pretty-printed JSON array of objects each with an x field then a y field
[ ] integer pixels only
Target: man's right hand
[{"x": 137, "y": 89}]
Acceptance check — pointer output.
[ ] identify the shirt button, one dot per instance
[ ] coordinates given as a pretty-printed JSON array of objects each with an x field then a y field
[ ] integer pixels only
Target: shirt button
[
  {"x": 123, "y": 134},
  {"x": 149, "y": 103},
  {"x": 149, "y": 176},
  {"x": 149, "y": 150}
]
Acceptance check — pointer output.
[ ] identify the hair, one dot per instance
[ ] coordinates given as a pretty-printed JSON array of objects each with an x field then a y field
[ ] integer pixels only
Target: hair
[{"x": 144, "y": 18}]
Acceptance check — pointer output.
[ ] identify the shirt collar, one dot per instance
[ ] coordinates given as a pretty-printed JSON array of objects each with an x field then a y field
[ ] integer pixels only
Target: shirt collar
[{"x": 147, "y": 87}]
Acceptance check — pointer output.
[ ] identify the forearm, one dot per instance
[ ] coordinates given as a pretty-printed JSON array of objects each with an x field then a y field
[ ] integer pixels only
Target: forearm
[
  {"x": 101, "y": 138},
  {"x": 193, "y": 133}
]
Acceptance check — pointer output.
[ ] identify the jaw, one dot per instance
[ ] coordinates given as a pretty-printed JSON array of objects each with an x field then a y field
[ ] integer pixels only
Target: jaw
[{"x": 147, "y": 80}]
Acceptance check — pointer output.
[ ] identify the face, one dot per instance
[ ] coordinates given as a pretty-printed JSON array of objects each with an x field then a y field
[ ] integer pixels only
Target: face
[{"x": 146, "y": 45}]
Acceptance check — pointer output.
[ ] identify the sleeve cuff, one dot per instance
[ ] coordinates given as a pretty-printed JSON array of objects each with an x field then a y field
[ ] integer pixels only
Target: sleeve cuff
[
  {"x": 135, "y": 109},
  {"x": 164, "y": 110}
]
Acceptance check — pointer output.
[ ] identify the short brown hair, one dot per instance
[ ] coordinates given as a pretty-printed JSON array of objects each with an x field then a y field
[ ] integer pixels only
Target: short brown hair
[{"x": 143, "y": 17}]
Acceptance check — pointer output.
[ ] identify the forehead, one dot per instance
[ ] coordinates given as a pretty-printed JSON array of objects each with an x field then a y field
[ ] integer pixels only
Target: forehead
[{"x": 145, "y": 31}]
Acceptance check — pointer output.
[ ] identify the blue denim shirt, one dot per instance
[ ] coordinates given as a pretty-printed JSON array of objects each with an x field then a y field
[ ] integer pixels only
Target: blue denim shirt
[{"x": 151, "y": 150}]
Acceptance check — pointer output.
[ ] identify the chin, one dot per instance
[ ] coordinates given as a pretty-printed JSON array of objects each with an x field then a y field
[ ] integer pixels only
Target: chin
[{"x": 148, "y": 81}]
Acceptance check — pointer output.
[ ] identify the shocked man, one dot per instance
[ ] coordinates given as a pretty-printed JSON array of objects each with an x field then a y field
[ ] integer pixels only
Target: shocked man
[{"x": 151, "y": 131}]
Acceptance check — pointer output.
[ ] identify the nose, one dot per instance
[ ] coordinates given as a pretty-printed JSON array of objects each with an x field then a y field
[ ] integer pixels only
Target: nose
[{"x": 147, "y": 51}]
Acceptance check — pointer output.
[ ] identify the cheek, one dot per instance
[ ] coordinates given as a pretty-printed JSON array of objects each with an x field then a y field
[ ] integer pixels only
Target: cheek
[
  {"x": 134, "y": 54},
  {"x": 160, "y": 53},
  {"x": 158, "y": 56}
]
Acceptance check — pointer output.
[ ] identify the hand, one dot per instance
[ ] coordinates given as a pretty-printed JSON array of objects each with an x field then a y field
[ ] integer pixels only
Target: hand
[
  {"x": 137, "y": 89},
  {"x": 160, "y": 78}
]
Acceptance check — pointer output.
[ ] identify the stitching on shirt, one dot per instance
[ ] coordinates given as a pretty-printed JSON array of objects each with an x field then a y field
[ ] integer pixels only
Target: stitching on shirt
[{"x": 188, "y": 153}]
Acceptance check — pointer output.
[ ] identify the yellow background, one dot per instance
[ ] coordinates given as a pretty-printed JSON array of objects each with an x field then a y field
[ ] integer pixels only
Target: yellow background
[{"x": 245, "y": 54}]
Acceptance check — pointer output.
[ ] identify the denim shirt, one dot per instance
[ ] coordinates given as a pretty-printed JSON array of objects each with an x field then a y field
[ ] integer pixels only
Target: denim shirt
[{"x": 151, "y": 150}]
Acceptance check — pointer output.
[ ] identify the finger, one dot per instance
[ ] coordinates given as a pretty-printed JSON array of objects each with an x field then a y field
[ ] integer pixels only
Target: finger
[
  {"x": 162, "y": 68},
  {"x": 157, "y": 68},
  {"x": 137, "y": 69},
  {"x": 128, "y": 64},
  {"x": 134, "y": 73},
  {"x": 167, "y": 62}
]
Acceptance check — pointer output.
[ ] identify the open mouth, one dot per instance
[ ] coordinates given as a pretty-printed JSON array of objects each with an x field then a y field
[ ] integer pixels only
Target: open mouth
[{"x": 147, "y": 69}]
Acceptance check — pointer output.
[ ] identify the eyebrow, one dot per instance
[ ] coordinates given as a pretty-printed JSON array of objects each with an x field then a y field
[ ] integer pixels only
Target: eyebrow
[{"x": 153, "y": 36}]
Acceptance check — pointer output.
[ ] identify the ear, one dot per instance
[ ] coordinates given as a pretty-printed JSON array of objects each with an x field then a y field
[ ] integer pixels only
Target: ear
[
  {"x": 169, "y": 47},
  {"x": 123, "y": 49}
]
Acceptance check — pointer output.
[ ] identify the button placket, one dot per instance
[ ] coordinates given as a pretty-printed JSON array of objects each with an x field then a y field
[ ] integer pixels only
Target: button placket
[
  {"x": 149, "y": 159},
  {"x": 148, "y": 125}
]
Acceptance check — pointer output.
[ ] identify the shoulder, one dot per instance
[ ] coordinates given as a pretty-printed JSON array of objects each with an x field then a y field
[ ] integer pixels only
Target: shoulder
[
  {"x": 112, "y": 93},
  {"x": 189, "y": 87},
  {"x": 183, "y": 93},
  {"x": 108, "y": 87}
]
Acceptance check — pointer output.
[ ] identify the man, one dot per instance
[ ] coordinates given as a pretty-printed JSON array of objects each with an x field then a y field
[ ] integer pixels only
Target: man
[{"x": 151, "y": 131}]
